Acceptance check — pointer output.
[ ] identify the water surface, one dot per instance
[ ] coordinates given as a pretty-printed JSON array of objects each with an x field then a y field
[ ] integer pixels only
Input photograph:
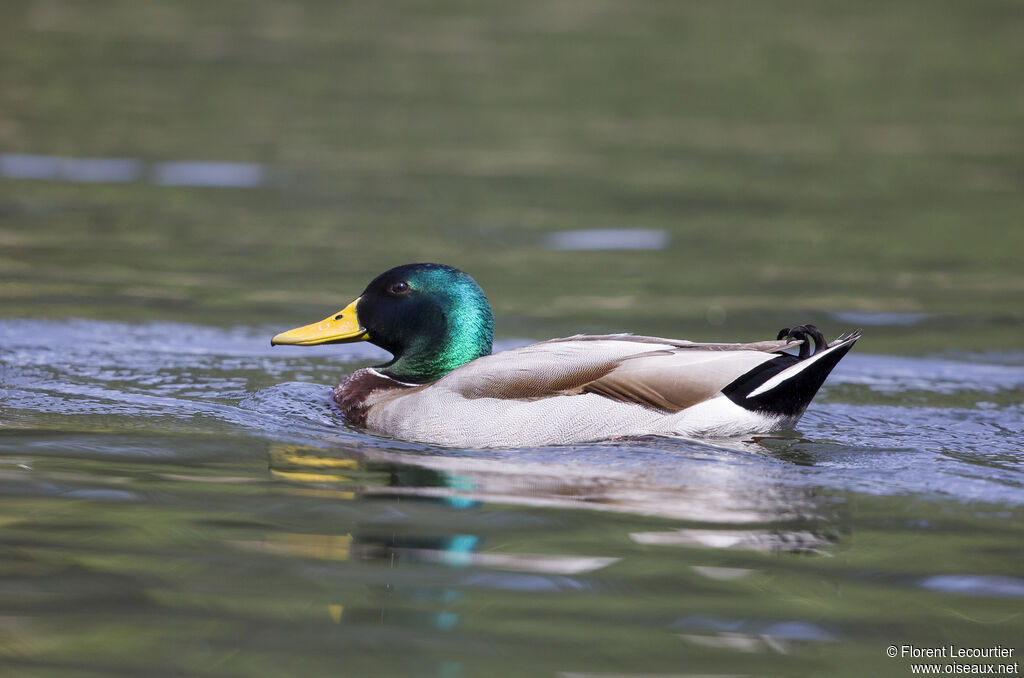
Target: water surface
[
  {"x": 187, "y": 497},
  {"x": 181, "y": 180}
]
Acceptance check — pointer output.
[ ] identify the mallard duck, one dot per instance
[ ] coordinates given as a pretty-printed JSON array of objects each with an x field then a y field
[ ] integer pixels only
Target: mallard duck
[{"x": 444, "y": 386}]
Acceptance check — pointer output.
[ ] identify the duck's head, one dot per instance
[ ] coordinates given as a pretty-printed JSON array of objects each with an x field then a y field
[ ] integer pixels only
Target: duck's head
[{"x": 432, "y": 318}]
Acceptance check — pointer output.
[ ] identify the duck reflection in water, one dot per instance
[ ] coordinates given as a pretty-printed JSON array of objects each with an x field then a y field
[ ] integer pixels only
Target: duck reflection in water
[
  {"x": 721, "y": 505},
  {"x": 398, "y": 499}
]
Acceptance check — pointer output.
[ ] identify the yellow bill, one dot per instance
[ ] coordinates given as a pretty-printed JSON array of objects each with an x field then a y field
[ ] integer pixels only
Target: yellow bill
[{"x": 340, "y": 327}]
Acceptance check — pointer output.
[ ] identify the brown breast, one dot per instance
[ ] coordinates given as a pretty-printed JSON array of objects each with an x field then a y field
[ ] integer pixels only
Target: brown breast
[{"x": 354, "y": 391}]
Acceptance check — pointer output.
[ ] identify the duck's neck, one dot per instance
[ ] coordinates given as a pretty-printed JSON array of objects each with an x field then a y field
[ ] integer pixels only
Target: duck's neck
[{"x": 457, "y": 335}]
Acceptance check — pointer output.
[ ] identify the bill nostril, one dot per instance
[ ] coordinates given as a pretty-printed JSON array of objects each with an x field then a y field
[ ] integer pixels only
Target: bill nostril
[{"x": 339, "y": 316}]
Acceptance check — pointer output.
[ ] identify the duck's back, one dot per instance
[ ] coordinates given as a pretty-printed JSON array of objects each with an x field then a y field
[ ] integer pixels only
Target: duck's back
[{"x": 588, "y": 388}]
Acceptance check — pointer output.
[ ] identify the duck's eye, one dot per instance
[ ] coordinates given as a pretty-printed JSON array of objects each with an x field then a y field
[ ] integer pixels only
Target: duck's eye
[{"x": 399, "y": 288}]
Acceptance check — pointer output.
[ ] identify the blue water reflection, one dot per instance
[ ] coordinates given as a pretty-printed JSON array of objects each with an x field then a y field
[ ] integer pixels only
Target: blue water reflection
[
  {"x": 608, "y": 239},
  {"x": 122, "y": 170}
]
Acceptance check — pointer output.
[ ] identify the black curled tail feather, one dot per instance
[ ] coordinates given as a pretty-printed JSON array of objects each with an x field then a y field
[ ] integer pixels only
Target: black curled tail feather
[
  {"x": 801, "y": 333},
  {"x": 790, "y": 395}
]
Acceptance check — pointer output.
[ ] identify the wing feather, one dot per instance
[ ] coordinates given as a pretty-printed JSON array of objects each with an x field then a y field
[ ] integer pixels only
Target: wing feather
[
  {"x": 772, "y": 346},
  {"x": 663, "y": 374},
  {"x": 675, "y": 380}
]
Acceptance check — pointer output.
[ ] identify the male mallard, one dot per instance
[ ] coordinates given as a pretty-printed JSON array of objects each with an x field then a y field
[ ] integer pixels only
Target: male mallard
[{"x": 444, "y": 386}]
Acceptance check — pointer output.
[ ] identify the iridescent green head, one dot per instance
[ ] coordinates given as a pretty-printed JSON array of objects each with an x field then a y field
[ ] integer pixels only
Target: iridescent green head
[{"x": 432, "y": 318}]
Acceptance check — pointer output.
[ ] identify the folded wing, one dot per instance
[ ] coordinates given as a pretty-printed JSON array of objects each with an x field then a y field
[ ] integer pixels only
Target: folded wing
[{"x": 663, "y": 374}]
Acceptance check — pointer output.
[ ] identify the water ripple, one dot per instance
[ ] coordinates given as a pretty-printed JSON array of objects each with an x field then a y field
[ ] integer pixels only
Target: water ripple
[{"x": 882, "y": 440}]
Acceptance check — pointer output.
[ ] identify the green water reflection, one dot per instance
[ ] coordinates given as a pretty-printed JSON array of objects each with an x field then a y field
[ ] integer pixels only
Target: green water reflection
[
  {"x": 802, "y": 159},
  {"x": 362, "y": 563}
]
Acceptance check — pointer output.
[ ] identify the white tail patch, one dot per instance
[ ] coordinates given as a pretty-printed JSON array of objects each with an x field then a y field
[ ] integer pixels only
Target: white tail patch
[{"x": 791, "y": 372}]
